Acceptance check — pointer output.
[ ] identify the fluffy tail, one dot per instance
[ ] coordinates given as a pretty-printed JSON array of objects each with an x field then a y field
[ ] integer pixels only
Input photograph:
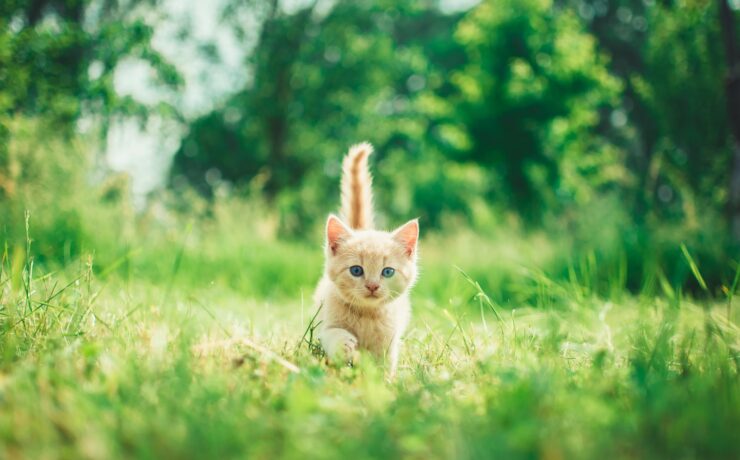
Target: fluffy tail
[{"x": 357, "y": 194}]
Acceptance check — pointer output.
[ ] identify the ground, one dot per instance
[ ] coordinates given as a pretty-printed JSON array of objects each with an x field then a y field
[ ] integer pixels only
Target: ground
[{"x": 100, "y": 365}]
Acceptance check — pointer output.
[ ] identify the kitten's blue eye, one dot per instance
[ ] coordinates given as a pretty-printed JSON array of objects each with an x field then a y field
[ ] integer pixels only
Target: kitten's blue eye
[
  {"x": 356, "y": 270},
  {"x": 388, "y": 272}
]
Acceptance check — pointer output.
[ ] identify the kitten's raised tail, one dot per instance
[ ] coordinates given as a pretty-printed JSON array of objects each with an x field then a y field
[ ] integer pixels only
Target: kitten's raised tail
[{"x": 357, "y": 194}]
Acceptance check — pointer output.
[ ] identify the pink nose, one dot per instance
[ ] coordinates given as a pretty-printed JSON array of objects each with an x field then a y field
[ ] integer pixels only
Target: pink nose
[{"x": 372, "y": 287}]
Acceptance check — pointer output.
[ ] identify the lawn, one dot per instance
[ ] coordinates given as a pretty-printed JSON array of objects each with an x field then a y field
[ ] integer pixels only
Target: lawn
[{"x": 210, "y": 359}]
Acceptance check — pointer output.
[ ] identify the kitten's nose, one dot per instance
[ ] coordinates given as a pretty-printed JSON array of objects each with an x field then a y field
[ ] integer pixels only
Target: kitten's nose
[{"x": 372, "y": 287}]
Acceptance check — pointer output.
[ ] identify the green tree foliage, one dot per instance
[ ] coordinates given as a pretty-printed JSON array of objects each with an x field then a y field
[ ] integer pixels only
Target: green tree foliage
[
  {"x": 557, "y": 113},
  {"x": 669, "y": 55},
  {"x": 511, "y": 101},
  {"x": 57, "y": 62},
  {"x": 534, "y": 91},
  {"x": 562, "y": 111},
  {"x": 322, "y": 81},
  {"x": 57, "y": 65},
  {"x": 682, "y": 87},
  {"x": 57, "y": 57}
]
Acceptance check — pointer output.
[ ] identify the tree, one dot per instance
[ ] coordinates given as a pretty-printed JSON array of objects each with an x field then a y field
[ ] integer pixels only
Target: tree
[
  {"x": 58, "y": 58},
  {"x": 533, "y": 93},
  {"x": 732, "y": 92},
  {"x": 322, "y": 81}
]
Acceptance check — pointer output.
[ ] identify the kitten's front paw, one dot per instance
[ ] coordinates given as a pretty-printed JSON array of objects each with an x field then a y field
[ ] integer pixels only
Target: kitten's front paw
[
  {"x": 350, "y": 346},
  {"x": 340, "y": 345}
]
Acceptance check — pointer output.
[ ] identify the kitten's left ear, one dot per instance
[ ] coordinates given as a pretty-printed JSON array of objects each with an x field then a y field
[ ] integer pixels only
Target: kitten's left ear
[
  {"x": 336, "y": 231},
  {"x": 408, "y": 235}
]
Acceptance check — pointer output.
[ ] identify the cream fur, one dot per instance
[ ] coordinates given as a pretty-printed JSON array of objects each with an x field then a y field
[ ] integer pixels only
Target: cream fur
[
  {"x": 369, "y": 312},
  {"x": 356, "y": 187}
]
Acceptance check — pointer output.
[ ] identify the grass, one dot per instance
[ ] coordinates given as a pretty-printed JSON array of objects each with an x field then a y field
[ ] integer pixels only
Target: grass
[{"x": 178, "y": 360}]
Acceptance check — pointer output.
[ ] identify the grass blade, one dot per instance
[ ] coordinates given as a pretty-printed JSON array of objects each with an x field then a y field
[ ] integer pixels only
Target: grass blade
[{"x": 694, "y": 268}]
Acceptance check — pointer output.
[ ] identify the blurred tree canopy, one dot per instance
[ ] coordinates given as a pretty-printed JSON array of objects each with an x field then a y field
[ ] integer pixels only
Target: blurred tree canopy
[
  {"x": 534, "y": 90},
  {"x": 544, "y": 111},
  {"x": 58, "y": 60},
  {"x": 58, "y": 57},
  {"x": 57, "y": 63},
  {"x": 534, "y": 105},
  {"x": 363, "y": 70}
]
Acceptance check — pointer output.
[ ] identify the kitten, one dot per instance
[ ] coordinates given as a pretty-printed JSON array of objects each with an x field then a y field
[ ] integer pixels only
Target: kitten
[{"x": 367, "y": 275}]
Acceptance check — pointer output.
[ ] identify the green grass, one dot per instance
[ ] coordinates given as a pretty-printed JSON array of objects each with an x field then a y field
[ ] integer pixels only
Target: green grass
[{"x": 192, "y": 351}]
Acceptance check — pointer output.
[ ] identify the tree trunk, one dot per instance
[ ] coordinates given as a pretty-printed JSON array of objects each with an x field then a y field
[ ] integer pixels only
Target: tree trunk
[{"x": 732, "y": 92}]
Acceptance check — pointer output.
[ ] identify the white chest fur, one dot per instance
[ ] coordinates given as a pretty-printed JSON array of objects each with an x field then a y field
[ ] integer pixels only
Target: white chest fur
[{"x": 377, "y": 330}]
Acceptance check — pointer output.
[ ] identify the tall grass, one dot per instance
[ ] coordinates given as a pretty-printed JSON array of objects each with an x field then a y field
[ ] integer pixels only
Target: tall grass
[
  {"x": 104, "y": 368},
  {"x": 183, "y": 330}
]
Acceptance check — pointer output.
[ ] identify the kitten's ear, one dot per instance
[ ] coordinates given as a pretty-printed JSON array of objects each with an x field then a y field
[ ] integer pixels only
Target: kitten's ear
[
  {"x": 408, "y": 235},
  {"x": 336, "y": 231}
]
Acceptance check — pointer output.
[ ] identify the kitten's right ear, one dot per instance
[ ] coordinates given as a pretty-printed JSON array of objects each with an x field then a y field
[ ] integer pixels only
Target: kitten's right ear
[
  {"x": 408, "y": 235},
  {"x": 336, "y": 231}
]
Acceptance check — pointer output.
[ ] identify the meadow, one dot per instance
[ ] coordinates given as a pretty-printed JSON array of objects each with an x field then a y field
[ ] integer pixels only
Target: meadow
[
  {"x": 166, "y": 169},
  {"x": 204, "y": 349}
]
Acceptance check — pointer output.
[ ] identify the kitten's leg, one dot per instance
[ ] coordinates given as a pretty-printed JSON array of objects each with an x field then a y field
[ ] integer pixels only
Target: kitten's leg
[{"x": 338, "y": 343}]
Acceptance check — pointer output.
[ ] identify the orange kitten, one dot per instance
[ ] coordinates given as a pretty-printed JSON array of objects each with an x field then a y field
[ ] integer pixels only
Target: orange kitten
[{"x": 368, "y": 273}]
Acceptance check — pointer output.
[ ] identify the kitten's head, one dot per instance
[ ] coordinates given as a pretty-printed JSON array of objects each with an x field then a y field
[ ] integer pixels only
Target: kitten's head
[{"x": 370, "y": 267}]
